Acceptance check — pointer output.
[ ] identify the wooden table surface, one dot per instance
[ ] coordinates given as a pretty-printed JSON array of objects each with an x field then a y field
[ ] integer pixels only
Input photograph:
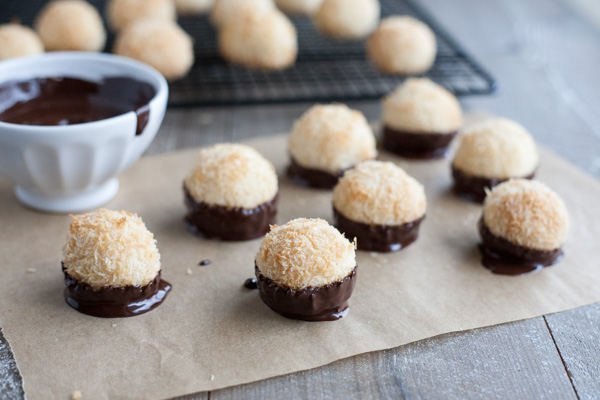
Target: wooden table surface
[{"x": 546, "y": 58}]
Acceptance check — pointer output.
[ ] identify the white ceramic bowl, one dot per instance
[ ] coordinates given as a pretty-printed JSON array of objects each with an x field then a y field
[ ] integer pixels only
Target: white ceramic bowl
[{"x": 74, "y": 167}]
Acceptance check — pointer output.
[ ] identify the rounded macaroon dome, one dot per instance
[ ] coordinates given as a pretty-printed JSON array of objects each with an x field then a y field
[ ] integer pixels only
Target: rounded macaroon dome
[
  {"x": 232, "y": 175},
  {"x": 332, "y": 138},
  {"x": 225, "y": 11},
  {"x": 110, "y": 248},
  {"x": 305, "y": 253},
  {"x": 376, "y": 192},
  {"x": 422, "y": 106},
  {"x": 193, "y": 7},
  {"x": 302, "y": 7},
  {"x": 526, "y": 213},
  {"x": 18, "y": 41},
  {"x": 70, "y": 25},
  {"x": 402, "y": 45},
  {"x": 496, "y": 148},
  {"x": 122, "y": 13},
  {"x": 259, "y": 39},
  {"x": 160, "y": 44},
  {"x": 347, "y": 19}
]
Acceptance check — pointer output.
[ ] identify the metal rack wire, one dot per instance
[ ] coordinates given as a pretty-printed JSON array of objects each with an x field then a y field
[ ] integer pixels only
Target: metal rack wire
[{"x": 326, "y": 69}]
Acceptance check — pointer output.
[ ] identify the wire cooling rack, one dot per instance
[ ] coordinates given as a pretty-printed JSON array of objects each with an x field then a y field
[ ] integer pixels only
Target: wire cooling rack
[{"x": 326, "y": 69}]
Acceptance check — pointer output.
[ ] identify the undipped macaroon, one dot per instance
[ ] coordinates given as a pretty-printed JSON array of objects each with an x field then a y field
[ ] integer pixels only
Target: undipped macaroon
[
  {"x": 347, "y": 19},
  {"x": 122, "y": 13},
  {"x": 523, "y": 227},
  {"x": 299, "y": 7},
  {"x": 160, "y": 44},
  {"x": 306, "y": 270},
  {"x": 112, "y": 265},
  {"x": 225, "y": 11},
  {"x": 326, "y": 141},
  {"x": 231, "y": 194},
  {"x": 193, "y": 7},
  {"x": 490, "y": 152},
  {"x": 420, "y": 119},
  {"x": 402, "y": 45},
  {"x": 259, "y": 39},
  {"x": 18, "y": 41},
  {"x": 70, "y": 25},
  {"x": 379, "y": 204}
]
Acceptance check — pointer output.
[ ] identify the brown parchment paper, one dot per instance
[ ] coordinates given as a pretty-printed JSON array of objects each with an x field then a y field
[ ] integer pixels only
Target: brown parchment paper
[{"x": 212, "y": 333}]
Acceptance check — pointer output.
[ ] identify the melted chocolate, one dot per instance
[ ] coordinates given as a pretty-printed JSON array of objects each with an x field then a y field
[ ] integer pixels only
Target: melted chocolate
[
  {"x": 327, "y": 303},
  {"x": 472, "y": 188},
  {"x": 314, "y": 178},
  {"x": 115, "y": 302},
  {"x": 250, "y": 283},
  {"x": 69, "y": 101},
  {"x": 422, "y": 146},
  {"x": 504, "y": 257},
  {"x": 380, "y": 238},
  {"x": 230, "y": 224},
  {"x": 204, "y": 262}
]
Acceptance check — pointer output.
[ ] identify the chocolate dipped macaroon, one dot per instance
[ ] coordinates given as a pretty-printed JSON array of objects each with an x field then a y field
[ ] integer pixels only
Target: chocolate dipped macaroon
[
  {"x": 491, "y": 152},
  {"x": 326, "y": 141},
  {"x": 379, "y": 204},
  {"x": 420, "y": 119},
  {"x": 306, "y": 270},
  {"x": 523, "y": 227},
  {"x": 232, "y": 193},
  {"x": 112, "y": 266}
]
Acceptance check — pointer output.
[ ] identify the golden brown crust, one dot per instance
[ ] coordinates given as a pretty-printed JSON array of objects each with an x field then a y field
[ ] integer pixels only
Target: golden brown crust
[
  {"x": 347, "y": 20},
  {"x": 376, "y": 192},
  {"x": 122, "y": 13},
  {"x": 303, "y": 7},
  {"x": 225, "y": 11},
  {"x": 305, "y": 252},
  {"x": 526, "y": 213},
  {"x": 18, "y": 41}
]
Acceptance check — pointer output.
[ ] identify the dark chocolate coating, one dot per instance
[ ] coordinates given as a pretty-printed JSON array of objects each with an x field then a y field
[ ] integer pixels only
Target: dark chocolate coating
[
  {"x": 251, "y": 283},
  {"x": 115, "y": 302},
  {"x": 314, "y": 178},
  {"x": 504, "y": 257},
  {"x": 69, "y": 101},
  {"x": 414, "y": 145},
  {"x": 327, "y": 303},
  {"x": 229, "y": 224},
  {"x": 380, "y": 238},
  {"x": 472, "y": 188}
]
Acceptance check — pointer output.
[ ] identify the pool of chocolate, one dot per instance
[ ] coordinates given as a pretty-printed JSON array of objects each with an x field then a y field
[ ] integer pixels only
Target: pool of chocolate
[{"x": 68, "y": 101}]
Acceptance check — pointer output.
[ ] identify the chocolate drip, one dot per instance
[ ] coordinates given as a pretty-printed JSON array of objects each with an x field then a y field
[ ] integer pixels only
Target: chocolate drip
[
  {"x": 327, "y": 303},
  {"x": 204, "y": 263},
  {"x": 414, "y": 145},
  {"x": 251, "y": 283},
  {"x": 381, "y": 238},
  {"x": 229, "y": 224},
  {"x": 472, "y": 188},
  {"x": 115, "y": 302},
  {"x": 504, "y": 257},
  {"x": 69, "y": 101},
  {"x": 314, "y": 178}
]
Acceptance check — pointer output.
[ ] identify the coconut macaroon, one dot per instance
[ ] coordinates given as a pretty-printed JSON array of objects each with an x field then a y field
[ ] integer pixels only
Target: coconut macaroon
[
  {"x": 420, "y": 119},
  {"x": 18, "y": 41},
  {"x": 160, "y": 44},
  {"x": 231, "y": 194},
  {"x": 299, "y": 7},
  {"x": 523, "y": 227},
  {"x": 326, "y": 141},
  {"x": 193, "y": 7},
  {"x": 259, "y": 39},
  {"x": 379, "y": 204},
  {"x": 112, "y": 265},
  {"x": 347, "y": 19},
  {"x": 122, "y": 13},
  {"x": 224, "y": 11},
  {"x": 402, "y": 45},
  {"x": 70, "y": 25},
  {"x": 491, "y": 152},
  {"x": 306, "y": 269}
]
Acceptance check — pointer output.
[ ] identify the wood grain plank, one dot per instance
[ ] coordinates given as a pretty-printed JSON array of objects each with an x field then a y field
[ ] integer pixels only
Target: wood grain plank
[
  {"x": 577, "y": 338},
  {"x": 516, "y": 360}
]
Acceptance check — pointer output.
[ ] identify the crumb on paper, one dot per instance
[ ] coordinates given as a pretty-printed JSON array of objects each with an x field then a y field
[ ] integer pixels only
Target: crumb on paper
[
  {"x": 76, "y": 395},
  {"x": 212, "y": 377},
  {"x": 114, "y": 325},
  {"x": 373, "y": 254},
  {"x": 31, "y": 270},
  {"x": 205, "y": 262},
  {"x": 189, "y": 271}
]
